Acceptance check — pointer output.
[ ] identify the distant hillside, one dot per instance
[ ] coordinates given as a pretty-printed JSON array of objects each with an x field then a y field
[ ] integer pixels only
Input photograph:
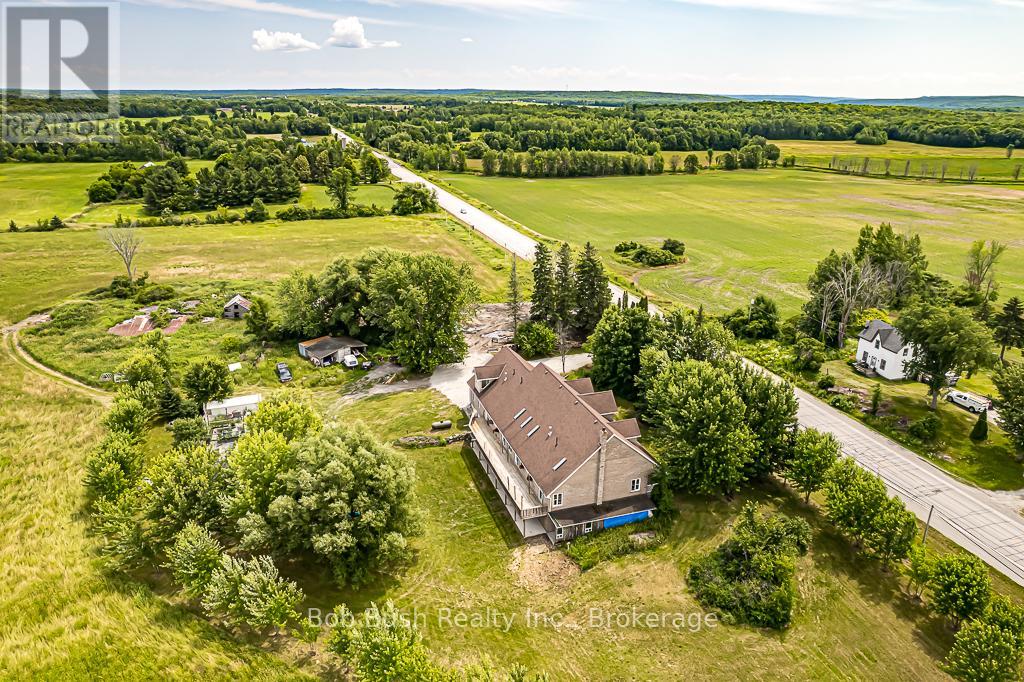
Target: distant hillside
[
  {"x": 988, "y": 102},
  {"x": 569, "y": 97}
]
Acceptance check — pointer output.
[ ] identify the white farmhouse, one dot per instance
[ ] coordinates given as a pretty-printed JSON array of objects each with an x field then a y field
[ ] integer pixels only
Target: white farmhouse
[{"x": 881, "y": 349}]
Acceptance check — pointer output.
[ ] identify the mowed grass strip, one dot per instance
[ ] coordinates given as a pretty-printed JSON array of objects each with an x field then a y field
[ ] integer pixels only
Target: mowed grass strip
[
  {"x": 38, "y": 270},
  {"x": 61, "y": 616},
  {"x": 750, "y": 232}
]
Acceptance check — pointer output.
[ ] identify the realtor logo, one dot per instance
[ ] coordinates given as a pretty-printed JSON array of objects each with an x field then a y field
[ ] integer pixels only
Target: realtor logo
[{"x": 59, "y": 68}]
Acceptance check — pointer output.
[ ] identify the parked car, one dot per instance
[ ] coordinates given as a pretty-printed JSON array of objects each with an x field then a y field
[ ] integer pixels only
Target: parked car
[
  {"x": 367, "y": 365},
  {"x": 283, "y": 373},
  {"x": 350, "y": 361},
  {"x": 969, "y": 401},
  {"x": 462, "y": 211}
]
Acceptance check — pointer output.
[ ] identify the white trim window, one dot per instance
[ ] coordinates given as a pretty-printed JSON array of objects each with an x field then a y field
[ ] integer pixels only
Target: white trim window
[
  {"x": 588, "y": 526},
  {"x": 559, "y": 532},
  {"x": 556, "y": 500},
  {"x": 634, "y": 485}
]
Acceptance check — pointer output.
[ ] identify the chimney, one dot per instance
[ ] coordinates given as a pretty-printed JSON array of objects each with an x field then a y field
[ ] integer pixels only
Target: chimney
[{"x": 602, "y": 454}]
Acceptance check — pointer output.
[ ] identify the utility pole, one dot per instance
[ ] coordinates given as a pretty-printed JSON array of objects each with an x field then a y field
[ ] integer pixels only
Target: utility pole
[{"x": 927, "y": 525}]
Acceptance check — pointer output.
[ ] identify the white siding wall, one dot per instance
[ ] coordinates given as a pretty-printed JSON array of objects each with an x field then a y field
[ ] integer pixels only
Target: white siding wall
[{"x": 887, "y": 364}]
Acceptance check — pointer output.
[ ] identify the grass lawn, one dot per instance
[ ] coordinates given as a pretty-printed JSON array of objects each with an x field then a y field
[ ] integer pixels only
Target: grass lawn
[
  {"x": 852, "y": 621},
  {"x": 38, "y": 270},
  {"x": 750, "y": 232},
  {"x": 62, "y": 616},
  {"x": 990, "y": 465},
  {"x": 39, "y": 190}
]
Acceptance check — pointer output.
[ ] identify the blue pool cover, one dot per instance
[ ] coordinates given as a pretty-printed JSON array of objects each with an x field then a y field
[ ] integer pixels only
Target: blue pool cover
[{"x": 616, "y": 521}]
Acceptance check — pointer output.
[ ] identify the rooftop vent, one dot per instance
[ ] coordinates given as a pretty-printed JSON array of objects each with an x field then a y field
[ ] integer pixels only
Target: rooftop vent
[
  {"x": 519, "y": 413},
  {"x": 560, "y": 463},
  {"x": 526, "y": 421},
  {"x": 533, "y": 430}
]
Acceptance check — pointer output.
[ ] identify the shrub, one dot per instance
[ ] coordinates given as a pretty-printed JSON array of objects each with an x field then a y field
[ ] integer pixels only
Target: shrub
[
  {"x": 382, "y": 646},
  {"x": 152, "y": 293},
  {"x": 113, "y": 467},
  {"x": 188, "y": 432},
  {"x": 926, "y": 428},
  {"x": 749, "y": 577},
  {"x": 535, "y": 340},
  {"x": 826, "y": 382},
  {"x": 101, "y": 192},
  {"x": 843, "y": 402},
  {"x": 251, "y": 592},
  {"x": 73, "y": 314},
  {"x": 193, "y": 558},
  {"x": 984, "y": 653},
  {"x": 653, "y": 257},
  {"x": 591, "y": 549},
  {"x": 960, "y": 586},
  {"x": 674, "y": 246},
  {"x": 129, "y": 416},
  {"x": 808, "y": 354}
]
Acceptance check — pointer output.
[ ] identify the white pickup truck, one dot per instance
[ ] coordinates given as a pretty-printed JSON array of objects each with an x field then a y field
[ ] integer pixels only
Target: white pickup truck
[{"x": 969, "y": 401}]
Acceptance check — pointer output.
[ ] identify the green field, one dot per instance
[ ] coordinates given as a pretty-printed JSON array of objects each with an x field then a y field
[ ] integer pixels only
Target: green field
[
  {"x": 750, "y": 232},
  {"x": 313, "y": 196},
  {"x": 991, "y": 162},
  {"x": 38, "y": 270},
  {"x": 63, "y": 617},
  {"x": 41, "y": 190}
]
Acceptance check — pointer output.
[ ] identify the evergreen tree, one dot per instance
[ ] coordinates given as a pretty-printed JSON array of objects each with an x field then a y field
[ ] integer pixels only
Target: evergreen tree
[
  {"x": 1009, "y": 326},
  {"x": 565, "y": 287},
  {"x": 515, "y": 301},
  {"x": 543, "y": 309},
  {"x": 592, "y": 293},
  {"x": 979, "y": 434}
]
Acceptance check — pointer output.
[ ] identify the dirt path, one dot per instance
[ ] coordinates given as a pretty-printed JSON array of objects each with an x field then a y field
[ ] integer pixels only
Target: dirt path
[{"x": 12, "y": 348}]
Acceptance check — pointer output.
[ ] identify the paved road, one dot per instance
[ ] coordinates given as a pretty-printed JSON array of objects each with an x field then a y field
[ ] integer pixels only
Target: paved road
[{"x": 983, "y": 523}]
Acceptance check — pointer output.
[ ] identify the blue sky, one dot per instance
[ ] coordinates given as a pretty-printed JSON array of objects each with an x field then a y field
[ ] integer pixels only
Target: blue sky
[{"x": 859, "y": 48}]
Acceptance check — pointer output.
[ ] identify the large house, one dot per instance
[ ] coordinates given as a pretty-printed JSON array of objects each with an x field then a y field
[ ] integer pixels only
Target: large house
[
  {"x": 561, "y": 463},
  {"x": 882, "y": 350},
  {"x": 330, "y": 350}
]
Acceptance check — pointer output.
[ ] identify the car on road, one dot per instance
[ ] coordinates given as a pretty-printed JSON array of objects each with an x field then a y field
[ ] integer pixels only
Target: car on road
[
  {"x": 969, "y": 401},
  {"x": 462, "y": 211},
  {"x": 283, "y": 373}
]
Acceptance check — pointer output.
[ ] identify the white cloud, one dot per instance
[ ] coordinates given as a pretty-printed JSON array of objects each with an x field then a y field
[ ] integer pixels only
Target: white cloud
[
  {"x": 281, "y": 41},
  {"x": 349, "y": 32},
  {"x": 467, "y": 40}
]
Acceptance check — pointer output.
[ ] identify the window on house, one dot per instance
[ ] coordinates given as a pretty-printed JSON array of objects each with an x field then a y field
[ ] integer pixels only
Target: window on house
[
  {"x": 905, "y": 352},
  {"x": 634, "y": 485},
  {"x": 881, "y": 364},
  {"x": 865, "y": 358},
  {"x": 559, "y": 533},
  {"x": 876, "y": 343},
  {"x": 588, "y": 526},
  {"x": 556, "y": 500}
]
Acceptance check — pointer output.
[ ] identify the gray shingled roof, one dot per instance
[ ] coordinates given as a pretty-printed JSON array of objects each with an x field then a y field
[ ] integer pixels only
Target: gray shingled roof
[{"x": 890, "y": 336}]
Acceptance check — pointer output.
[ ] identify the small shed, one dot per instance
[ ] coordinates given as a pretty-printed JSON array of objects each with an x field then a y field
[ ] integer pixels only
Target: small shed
[
  {"x": 234, "y": 408},
  {"x": 237, "y": 307},
  {"x": 328, "y": 350}
]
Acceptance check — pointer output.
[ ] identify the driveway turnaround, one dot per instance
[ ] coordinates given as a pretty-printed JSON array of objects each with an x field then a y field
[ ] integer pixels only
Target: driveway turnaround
[{"x": 974, "y": 519}]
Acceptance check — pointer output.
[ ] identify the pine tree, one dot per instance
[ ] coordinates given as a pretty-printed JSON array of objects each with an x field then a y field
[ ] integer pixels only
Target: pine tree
[
  {"x": 592, "y": 293},
  {"x": 543, "y": 299},
  {"x": 565, "y": 287},
  {"x": 515, "y": 301},
  {"x": 1009, "y": 326},
  {"x": 979, "y": 434}
]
